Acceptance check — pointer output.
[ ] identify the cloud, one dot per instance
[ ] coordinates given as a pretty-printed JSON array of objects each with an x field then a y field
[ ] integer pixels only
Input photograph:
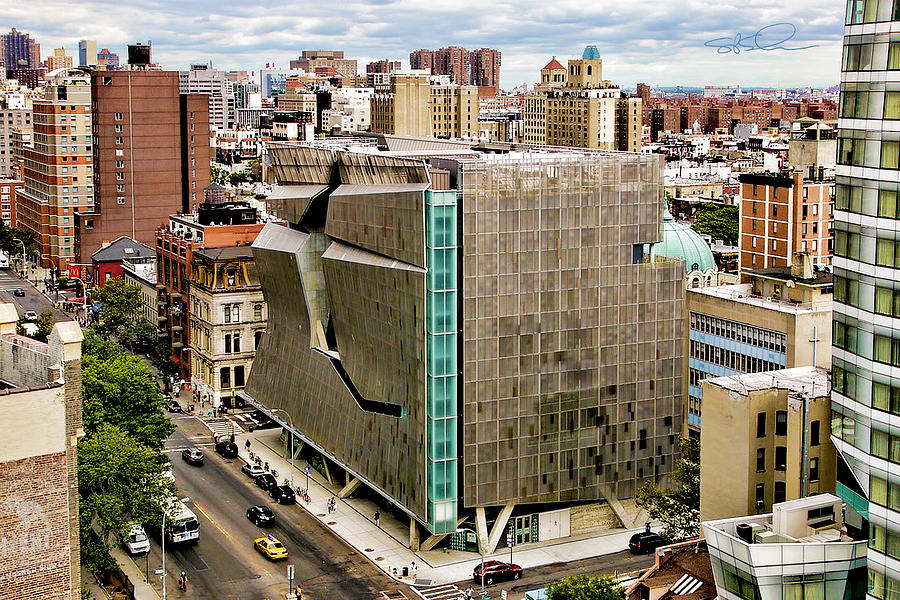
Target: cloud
[{"x": 661, "y": 43}]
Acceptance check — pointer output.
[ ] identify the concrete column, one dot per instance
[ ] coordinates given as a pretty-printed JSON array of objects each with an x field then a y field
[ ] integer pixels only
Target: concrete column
[
  {"x": 481, "y": 530},
  {"x": 500, "y": 527},
  {"x": 413, "y": 535},
  {"x": 349, "y": 488}
]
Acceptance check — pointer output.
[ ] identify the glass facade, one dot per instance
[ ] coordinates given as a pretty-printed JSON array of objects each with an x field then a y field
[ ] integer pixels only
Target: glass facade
[
  {"x": 441, "y": 307},
  {"x": 866, "y": 344}
]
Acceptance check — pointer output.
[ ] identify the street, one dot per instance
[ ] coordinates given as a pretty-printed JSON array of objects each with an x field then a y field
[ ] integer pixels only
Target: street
[
  {"x": 32, "y": 300},
  {"x": 224, "y": 564}
]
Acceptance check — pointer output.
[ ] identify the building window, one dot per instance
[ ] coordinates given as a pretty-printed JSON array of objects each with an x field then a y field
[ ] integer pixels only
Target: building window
[
  {"x": 230, "y": 278},
  {"x": 257, "y": 312},
  {"x": 257, "y": 339},
  {"x": 780, "y": 458},
  {"x": 118, "y": 115},
  {"x": 760, "y": 495},
  {"x": 814, "y": 469},
  {"x": 781, "y": 422},
  {"x": 236, "y": 313},
  {"x": 120, "y": 140},
  {"x": 227, "y": 343},
  {"x": 761, "y": 425},
  {"x": 228, "y": 314},
  {"x": 236, "y": 341},
  {"x": 814, "y": 433},
  {"x": 225, "y": 377},
  {"x": 780, "y": 494},
  {"x": 760, "y": 460},
  {"x": 239, "y": 376},
  {"x": 120, "y": 199}
]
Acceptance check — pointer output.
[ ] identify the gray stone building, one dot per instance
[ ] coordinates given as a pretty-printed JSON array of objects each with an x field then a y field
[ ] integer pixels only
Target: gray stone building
[{"x": 491, "y": 347}]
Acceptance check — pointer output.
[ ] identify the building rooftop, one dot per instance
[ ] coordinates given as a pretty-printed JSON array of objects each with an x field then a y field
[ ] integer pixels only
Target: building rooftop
[
  {"x": 814, "y": 380},
  {"x": 743, "y": 293},
  {"x": 681, "y": 571},
  {"x": 123, "y": 248},
  {"x": 226, "y": 253},
  {"x": 552, "y": 65},
  {"x": 680, "y": 241},
  {"x": 820, "y": 277}
]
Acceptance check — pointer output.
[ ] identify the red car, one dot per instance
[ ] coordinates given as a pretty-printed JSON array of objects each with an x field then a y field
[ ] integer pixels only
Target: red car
[{"x": 494, "y": 570}]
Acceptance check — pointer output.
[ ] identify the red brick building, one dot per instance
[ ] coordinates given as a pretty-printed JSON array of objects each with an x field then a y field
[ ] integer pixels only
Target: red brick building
[
  {"x": 782, "y": 214},
  {"x": 8, "y": 191},
  {"x": 151, "y": 156}
]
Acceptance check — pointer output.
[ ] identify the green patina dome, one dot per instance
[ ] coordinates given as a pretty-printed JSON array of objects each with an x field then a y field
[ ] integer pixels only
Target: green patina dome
[{"x": 680, "y": 241}]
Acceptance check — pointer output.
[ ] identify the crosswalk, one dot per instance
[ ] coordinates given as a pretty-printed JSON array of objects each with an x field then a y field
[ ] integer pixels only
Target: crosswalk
[
  {"x": 441, "y": 592},
  {"x": 222, "y": 426}
]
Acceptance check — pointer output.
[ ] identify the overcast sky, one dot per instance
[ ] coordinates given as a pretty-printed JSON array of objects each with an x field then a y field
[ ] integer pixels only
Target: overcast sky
[{"x": 660, "y": 42}]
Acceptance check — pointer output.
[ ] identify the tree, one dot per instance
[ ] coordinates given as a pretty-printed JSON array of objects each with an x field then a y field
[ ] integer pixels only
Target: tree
[
  {"x": 121, "y": 307},
  {"x": 117, "y": 387},
  {"x": 717, "y": 221},
  {"x": 119, "y": 481},
  {"x": 239, "y": 177},
  {"x": 679, "y": 508},
  {"x": 585, "y": 587},
  {"x": 42, "y": 327},
  {"x": 218, "y": 175}
]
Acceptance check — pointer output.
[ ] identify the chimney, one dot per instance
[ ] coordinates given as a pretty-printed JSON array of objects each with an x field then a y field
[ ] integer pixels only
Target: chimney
[{"x": 802, "y": 265}]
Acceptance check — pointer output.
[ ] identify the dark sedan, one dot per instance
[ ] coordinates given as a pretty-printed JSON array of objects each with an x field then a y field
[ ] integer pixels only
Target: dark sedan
[
  {"x": 494, "y": 570},
  {"x": 173, "y": 407},
  {"x": 18, "y": 292},
  {"x": 261, "y": 516},
  {"x": 266, "y": 481},
  {"x": 227, "y": 449},
  {"x": 192, "y": 456},
  {"x": 282, "y": 494}
]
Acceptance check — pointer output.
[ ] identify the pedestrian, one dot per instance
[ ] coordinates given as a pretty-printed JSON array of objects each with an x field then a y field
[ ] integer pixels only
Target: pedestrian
[
  {"x": 247, "y": 445},
  {"x": 182, "y": 581},
  {"x": 377, "y": 519}
]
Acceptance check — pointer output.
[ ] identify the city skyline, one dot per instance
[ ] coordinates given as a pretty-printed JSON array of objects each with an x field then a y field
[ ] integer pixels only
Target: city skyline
[{"x": 663, "y": 47}]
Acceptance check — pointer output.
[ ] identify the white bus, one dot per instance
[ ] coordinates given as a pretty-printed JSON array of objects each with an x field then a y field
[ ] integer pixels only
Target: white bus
[
  {"x": 4, "y": 260},
  {"x": 181, "y": 523}
]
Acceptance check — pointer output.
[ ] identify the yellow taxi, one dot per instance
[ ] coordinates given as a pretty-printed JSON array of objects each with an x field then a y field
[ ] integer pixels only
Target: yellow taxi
[{"x": 270, "y": 547}]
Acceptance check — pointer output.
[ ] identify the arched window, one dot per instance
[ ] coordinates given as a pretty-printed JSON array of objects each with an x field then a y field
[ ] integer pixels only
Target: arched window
[{"x": 589, "y": 69}]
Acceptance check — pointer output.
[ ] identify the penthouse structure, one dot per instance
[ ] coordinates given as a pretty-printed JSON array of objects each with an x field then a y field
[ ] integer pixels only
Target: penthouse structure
[{"x": 477, "y": 334}]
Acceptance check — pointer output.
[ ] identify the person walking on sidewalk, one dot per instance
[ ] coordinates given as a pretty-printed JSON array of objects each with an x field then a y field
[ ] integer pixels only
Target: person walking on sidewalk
[{"x": 377, "y": 519}]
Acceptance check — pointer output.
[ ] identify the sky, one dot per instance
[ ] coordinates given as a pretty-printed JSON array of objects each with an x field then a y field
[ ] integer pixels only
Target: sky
[{"x": 660, "y": 42}]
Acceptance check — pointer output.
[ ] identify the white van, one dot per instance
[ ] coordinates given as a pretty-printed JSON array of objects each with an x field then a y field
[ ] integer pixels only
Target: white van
[{"x": 137, "y": 542}]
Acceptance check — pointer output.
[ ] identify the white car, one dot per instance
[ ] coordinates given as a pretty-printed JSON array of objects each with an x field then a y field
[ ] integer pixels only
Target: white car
[
  {"x": 251, "y": 470},
  {"x": 137, "y": 541}
]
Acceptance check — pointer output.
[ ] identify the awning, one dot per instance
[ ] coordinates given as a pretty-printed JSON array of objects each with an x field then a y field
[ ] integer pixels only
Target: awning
[{"x": 79, "y": 299}]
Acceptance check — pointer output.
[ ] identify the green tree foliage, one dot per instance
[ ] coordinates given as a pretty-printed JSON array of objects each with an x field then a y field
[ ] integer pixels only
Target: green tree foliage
[
  {"x": 117, "y": 387},
  {"x": 238, "y": 177},
  {"x": 9, "y": 237},
  {"x": 120, "y": 480},
  {"x": 717, "y": 221},
  {"x": 679, "y": 508},
  {"x": 585, "y": 587},
  {"x": 218, "y": 175},
  {"x": 42, "y": 327},
  {"x": 121, "y": 308}
]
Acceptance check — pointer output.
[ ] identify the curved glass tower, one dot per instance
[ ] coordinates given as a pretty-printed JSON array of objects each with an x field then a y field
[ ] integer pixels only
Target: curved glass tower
[{"x": 866, "y": 355}]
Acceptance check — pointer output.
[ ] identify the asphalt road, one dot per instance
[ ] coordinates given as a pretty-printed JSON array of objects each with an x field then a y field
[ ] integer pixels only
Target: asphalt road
[
  {"x": 32, "y": 300},
  {"x": 223, "y": 563}
]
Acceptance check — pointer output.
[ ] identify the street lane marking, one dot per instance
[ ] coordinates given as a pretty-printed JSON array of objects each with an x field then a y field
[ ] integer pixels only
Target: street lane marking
[
  {"x": 215, "y": 524},
  {"x": 186, "y": 447}
]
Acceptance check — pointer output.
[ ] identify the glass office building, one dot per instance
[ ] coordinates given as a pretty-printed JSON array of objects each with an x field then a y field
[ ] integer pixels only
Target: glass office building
[{"x": 866, "y": 353}]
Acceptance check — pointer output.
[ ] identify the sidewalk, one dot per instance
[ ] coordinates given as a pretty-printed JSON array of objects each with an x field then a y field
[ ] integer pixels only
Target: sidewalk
[{"x": 387, "y": 545}]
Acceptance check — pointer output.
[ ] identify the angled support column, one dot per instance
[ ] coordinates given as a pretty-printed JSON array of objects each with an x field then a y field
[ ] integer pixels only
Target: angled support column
[
  {"x": 327, "y": 471},
  {"x": 433, "y": 540},
  {"x": 499, "y": 527},
  {"x": 481, "y": 530},
  {"x": 413, "y": 535},
  {"x": 349, "y": 488}
]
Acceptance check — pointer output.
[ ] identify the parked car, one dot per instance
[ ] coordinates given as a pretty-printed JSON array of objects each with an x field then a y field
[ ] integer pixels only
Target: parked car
[
  {"x": 494, "y": 570},
  {"x": 282, "y": 494},
  {"x": 173, "y": 407},
  {"x": 266, "y": 481},
  {"x": 261, "y": 516},
  {"x": 252, "y": 471},
  {"x": 262, "y": 420},
  {"x": 18, "y": 292},
  {"x": 645, "y": 542},
  {"x": 227, "y": 449},
  {"x": 192, "y": 456},
  {"x": 137, "y": 542},
  {"x": 30, "y": 315}
]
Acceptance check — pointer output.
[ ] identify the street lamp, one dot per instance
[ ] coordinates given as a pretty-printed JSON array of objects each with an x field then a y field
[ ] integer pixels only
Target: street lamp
[
  {"x": 464, "y": 529},
  {"x": 291, "y": 421}
]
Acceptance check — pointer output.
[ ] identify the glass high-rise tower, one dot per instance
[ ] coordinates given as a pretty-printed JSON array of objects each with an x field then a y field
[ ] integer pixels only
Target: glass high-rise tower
[{"x": 866, "y": 355}]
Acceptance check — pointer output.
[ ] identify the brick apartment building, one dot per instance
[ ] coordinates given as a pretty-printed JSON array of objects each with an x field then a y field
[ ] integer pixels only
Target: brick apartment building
[
  {"x": 151, "y": 156},
  {"x": 476, "y": 67},
  {"x": 216, "y": 225},
  {"x": 9, "y": 190},
  {"x": 783, "y": 214}
]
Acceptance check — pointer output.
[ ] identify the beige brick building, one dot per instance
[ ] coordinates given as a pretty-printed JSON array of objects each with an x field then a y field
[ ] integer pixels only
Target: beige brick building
[
  {"x": 752, "y": 441},
  {"x": 413, "y": 104}
]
